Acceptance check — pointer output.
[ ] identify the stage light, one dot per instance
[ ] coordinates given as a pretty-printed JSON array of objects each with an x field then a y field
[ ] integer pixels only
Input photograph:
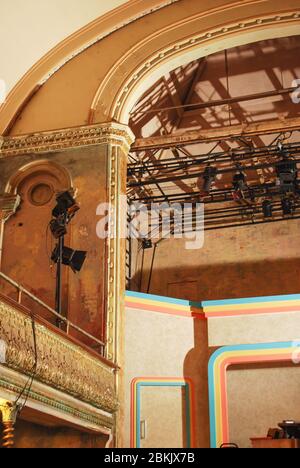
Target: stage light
[
  {"x": 267, "y": 207},
  {"x": 58, "y": 227},
  {"x": 65, "y": 205},
  {"x": 286, "y": 170},
  {"x": 209, "y": 177},
  {"x": 147, "y": 244},
  {"x": 72, "y": 258},
  {"x": 287, "y": 206},
  {"x": 239, "y": 181},
  {"x": 64, "y": 211}
]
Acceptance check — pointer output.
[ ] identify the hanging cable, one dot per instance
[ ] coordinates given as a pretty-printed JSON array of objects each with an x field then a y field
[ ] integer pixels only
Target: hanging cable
[
  {"x": 151, "y": 268},
  {"x": 227, "y": 84}
]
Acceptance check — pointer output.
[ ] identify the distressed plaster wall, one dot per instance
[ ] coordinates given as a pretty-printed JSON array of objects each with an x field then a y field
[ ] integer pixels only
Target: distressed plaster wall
[
  {"x": 26, "y": 253},
  {"x": 235, "y": 262}
]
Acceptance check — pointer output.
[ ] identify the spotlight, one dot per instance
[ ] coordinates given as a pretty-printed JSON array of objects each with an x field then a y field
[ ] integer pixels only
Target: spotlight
[
  {"x": 286, "y": 170},
  {"x": 287, "y": 206},
  {"x": 209, "y": 177},
  {"x": 58, "y": 227},
  {"x": 65, "y": 205},
  {"x": 267, "y": 207},
  {"x": 238, "y": 181},
  {"x": 64, "y": 211},
  {"x": 147, "y": 244},
  {"x": 72, "y": 258}
]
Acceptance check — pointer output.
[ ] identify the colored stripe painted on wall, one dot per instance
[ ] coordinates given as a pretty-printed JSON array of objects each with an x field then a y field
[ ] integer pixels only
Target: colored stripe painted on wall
[
  {"x": 138, "y": 383},
  {"x": 213, "y": 309},
  {"x": 252, "y": 306},
  {"x": 218, "y": 365},
  {"x": 164, "y": 305}
]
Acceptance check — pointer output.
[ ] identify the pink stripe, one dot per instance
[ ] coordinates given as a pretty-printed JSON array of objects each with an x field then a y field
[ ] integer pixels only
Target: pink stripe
[
  {"x": 164, "y": 310},
  {"x": 223, "y": 382},
  {"x": 224, "y": 402}
]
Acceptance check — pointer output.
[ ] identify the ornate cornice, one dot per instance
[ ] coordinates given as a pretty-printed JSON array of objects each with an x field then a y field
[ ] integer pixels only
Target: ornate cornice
[
  {"x": 55, "y": 403},
  {"x": 58, "y": 140},
  {"x": 60, "y": 363}
]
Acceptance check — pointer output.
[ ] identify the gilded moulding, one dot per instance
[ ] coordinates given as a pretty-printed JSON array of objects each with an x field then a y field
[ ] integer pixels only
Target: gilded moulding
[
  {"x": 60, "y": 363},
  {"x": 47, "y": 400},
  {"x": 46, "y": 142}
]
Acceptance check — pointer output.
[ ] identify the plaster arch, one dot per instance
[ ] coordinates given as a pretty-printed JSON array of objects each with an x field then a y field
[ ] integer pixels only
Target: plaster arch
[
  {"x": 38, "y": 168},
  {"x": 143, "y": 78},
  {"x": 86, "y": 91}
]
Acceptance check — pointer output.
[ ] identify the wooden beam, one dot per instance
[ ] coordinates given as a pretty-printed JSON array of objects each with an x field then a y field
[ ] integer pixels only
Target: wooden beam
[{"x": 216, "y": 134}]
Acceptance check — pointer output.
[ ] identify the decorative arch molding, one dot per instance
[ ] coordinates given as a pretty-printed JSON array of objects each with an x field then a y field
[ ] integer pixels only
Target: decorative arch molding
[
  {"x": 45, "y": 175},
  {"x": 69, "y": 48},
  {"x": 139, "y": 53},
  {"x": 218, "y": 366},
  {"x": 194, "y": 47},
  {"x": 39, "y": 167}
]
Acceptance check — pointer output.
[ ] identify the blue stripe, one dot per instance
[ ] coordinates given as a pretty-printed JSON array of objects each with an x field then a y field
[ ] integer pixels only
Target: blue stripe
[
  {"x": 211, "y": 375},
  {"x": 251, "y": 300},
  {"x": 199, "y": 305},
  {"x": 162, "y": 384},
  {"x": 212, "y": 403}
]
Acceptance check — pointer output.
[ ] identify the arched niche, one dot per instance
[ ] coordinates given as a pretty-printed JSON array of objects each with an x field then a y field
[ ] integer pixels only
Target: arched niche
[
  {"x": 27, "y": 241},
  {"x": 43, "y": 169}
]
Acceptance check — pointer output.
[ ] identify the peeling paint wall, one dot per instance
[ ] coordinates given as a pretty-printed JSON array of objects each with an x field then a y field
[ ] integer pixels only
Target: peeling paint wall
[
  {"x": 26, "y": 247},
  {"x": 236, "y": 262}
]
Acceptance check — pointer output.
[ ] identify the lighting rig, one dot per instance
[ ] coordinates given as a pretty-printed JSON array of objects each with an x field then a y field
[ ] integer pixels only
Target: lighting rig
[
  {"x": 246, "y": 200},
  {"x": 62, "y": 214}
]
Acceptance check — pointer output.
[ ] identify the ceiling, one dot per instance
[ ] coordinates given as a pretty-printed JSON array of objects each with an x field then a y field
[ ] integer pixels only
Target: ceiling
[
  {"x": 245, "y": 85},
  {"x": 29, "y": 29}
]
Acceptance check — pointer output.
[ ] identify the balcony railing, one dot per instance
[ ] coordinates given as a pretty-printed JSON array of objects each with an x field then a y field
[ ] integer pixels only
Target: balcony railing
[
  {"x": 36, "y": 348},
  {"x": 60, "y": 320}
]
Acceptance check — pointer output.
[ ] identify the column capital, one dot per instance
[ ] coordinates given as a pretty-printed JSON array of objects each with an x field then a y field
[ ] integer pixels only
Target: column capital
[
  {"x": 8, "y": 410},
  {"x": 113, "y": 133}
]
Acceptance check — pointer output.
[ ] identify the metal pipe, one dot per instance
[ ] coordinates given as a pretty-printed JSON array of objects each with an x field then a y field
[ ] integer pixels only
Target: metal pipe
[
  {"x": 151, "y": 268},
  {"x": 238, "y": 155},
  {"x": 199, "y": 174},
  {"x": 221, "y": 102},
  {"x": 52, "y": 311},
  {"x": 58, "y": 295}
]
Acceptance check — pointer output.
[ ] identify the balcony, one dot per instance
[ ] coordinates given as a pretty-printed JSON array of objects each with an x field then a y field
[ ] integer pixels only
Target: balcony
[{"x": 57, "y": 374}]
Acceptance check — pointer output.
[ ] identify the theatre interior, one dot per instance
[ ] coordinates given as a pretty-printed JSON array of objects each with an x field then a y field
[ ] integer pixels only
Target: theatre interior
[{"x": 150, "y": 224}]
